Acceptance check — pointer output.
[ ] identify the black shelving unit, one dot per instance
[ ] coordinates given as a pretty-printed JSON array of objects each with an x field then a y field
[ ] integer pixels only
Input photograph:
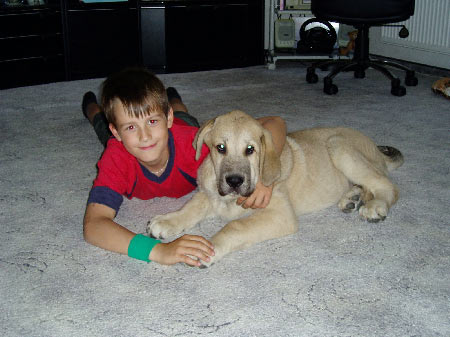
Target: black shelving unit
[
  {"x": 31, "y": 43},
  {"x": 100, "y": 38},
  {"x": 206, "y": 35},
  {"x": 192, "y": 35},
  {"x": 45, "y": 41}
]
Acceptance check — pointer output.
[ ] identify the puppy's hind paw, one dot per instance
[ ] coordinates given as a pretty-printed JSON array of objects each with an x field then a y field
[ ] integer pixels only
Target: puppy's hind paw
[
  {"x": 374, "y": 211},
  {"x": 352, "y": 200}
]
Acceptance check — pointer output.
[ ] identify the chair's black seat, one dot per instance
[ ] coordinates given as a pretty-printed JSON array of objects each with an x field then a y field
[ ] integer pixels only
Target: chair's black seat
[{"x": 363, "y": 11}]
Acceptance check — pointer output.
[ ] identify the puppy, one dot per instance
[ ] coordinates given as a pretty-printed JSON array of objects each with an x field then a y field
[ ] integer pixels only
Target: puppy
[{"x": 317, "y": 168}]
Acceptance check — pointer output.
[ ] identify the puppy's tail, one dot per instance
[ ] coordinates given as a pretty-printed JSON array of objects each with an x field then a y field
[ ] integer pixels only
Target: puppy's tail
[{"x": 393, "y": 157}]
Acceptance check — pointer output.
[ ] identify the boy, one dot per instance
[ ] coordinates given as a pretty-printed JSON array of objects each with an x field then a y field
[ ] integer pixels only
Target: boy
[{"x": 151, "y": 155}]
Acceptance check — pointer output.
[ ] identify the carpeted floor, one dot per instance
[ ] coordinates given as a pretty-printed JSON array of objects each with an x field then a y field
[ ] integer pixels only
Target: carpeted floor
[{"x": 338, "y": 276}]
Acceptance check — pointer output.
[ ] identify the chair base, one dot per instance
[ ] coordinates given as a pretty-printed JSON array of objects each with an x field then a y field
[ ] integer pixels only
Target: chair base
[{"x": 359, "y": 64}]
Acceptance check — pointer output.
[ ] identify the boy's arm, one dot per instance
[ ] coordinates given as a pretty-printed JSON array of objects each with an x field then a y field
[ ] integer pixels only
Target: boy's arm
[
  {"x": 101, "y": 230},
  {"x": 260, "y": 197},
  {"x": 277, "y": 128}
]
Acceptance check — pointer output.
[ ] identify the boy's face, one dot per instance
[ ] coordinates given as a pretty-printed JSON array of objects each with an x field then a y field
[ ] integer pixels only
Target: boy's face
[{"x": 145, "y": 138}]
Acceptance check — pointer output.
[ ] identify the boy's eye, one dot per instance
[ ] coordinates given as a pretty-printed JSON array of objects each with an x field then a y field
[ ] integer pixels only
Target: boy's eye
[
  {"x": 152, "y": 121},
  {"x": 221, "y": 148},
  {"x": 131, "y": 127},
  {"x": 249, "y": 150}
]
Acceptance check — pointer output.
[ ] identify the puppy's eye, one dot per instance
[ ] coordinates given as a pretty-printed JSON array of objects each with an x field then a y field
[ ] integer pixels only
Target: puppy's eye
[
  {"x": 249, "y": 150},
  {"x": 221, "y": 148}
]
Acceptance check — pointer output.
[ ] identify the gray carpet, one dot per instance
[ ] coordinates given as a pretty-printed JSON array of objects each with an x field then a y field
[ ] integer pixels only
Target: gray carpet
[{"x": 338, "y": 276}]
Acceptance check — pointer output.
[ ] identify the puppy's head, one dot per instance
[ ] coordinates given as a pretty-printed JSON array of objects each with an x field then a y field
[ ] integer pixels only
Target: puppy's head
[{"x": 241, "y": 151}]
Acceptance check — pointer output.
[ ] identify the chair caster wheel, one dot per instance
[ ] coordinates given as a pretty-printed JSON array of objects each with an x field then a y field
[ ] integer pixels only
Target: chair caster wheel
[
  {"x": 328, "y": 87},
  {"x": 330, "y": 90},
  {"x": 397, "y": 89},
  {"x": 359, "y": 73},
  {"x": 411, "y": 79},
  {"x": 311, "y": 76}
]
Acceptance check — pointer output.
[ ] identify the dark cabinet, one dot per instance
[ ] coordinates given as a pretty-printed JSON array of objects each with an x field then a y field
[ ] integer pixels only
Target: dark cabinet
[
  {"x": 153, "y": 36},
  {"x": 101, "y": 38},
  {"x": 55, "y": 40},
  {"x": 31, "y": 43},
  {"x": 180, "y": 36},
  {"x": 213, "y": 35}
]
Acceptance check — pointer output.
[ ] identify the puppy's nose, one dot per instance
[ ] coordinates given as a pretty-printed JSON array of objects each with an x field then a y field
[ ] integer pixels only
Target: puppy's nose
[{"x": 234, "y": 180}]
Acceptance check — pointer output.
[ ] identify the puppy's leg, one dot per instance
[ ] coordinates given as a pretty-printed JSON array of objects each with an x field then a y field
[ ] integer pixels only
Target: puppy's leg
[
  {"x": 265, "y": 224},
  {"x": 378, "y": 193},
  {"x": 171, "y": 224}
]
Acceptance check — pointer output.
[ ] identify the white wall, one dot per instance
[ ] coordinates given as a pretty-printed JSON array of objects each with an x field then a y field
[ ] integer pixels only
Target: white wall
[
  {"x": 429, "y": 36},
  {"x": 428, "y": 42}
]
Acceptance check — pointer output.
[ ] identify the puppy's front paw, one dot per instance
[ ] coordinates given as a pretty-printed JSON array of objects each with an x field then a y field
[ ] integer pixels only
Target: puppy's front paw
[
  {"x": 374, "y": 211},
  {"x": 218, "y": 254},
  {"x": 205, "y": 264},
  {"x": 163, "y": 226}
]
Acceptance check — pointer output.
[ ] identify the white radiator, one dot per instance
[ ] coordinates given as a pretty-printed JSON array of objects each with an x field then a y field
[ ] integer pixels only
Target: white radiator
[{"x": 429, "y": 36}]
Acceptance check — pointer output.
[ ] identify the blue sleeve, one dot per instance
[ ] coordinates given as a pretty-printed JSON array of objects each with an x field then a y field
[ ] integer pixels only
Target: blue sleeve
[{"x": 105, "y": 196}]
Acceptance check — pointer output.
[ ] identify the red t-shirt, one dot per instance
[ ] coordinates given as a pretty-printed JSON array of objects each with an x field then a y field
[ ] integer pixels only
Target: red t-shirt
[{"x": 120, "y": 174}]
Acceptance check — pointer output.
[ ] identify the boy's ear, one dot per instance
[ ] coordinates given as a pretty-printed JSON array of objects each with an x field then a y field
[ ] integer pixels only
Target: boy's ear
[
  {"x": 114, "y": 131},
  {"x": 170, "y": 118}
]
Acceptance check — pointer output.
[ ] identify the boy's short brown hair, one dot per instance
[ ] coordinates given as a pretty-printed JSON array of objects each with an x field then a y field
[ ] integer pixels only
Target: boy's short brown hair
[{"x": 140, "y": 92}]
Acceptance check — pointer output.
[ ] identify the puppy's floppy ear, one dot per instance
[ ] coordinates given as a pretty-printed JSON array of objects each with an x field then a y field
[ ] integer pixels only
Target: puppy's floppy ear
[
  {"x": 200, "y": 137},
  {"x": 269, "y": 162}
]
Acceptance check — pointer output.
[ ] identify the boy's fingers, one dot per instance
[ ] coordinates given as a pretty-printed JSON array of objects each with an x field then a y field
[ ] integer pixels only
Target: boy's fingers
[
  {"x": 200, "y": 239},
  {"x": 264, "y": 202},
  {"x": 247, "y": 202},
  {"x": 199, "y": 243},
  {"x": 190, "y": 261},
  {"x": 258, "y": 202},
  {"x": 196, "y": 253},
  {"x": 253, "y": 202},
  {"x": 241, "y": 200}
]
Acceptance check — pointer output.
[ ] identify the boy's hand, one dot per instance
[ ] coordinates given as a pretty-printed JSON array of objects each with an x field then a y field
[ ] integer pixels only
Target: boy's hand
[
  {"x": 260, "y": 197},
  {"x": 181, "y": 250}
]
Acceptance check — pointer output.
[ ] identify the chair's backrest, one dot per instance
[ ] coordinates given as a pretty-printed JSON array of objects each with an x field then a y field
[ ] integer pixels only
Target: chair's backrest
[{"x": 368, "y": 12}]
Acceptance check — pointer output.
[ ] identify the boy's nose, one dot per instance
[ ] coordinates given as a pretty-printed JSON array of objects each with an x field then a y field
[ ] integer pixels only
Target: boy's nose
[{"x": 145, "y": 134}]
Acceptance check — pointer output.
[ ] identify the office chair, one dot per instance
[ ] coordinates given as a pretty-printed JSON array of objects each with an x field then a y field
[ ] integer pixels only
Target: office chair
[{"x": 362, "y": 14}]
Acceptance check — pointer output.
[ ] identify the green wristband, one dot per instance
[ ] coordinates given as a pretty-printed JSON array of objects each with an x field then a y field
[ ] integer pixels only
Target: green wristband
[{"x": 140, "y": 247}]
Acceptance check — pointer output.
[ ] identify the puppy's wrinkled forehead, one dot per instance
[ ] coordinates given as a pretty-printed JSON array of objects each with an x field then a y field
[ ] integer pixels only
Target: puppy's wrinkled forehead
[{"x": 236, "y": 124}]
